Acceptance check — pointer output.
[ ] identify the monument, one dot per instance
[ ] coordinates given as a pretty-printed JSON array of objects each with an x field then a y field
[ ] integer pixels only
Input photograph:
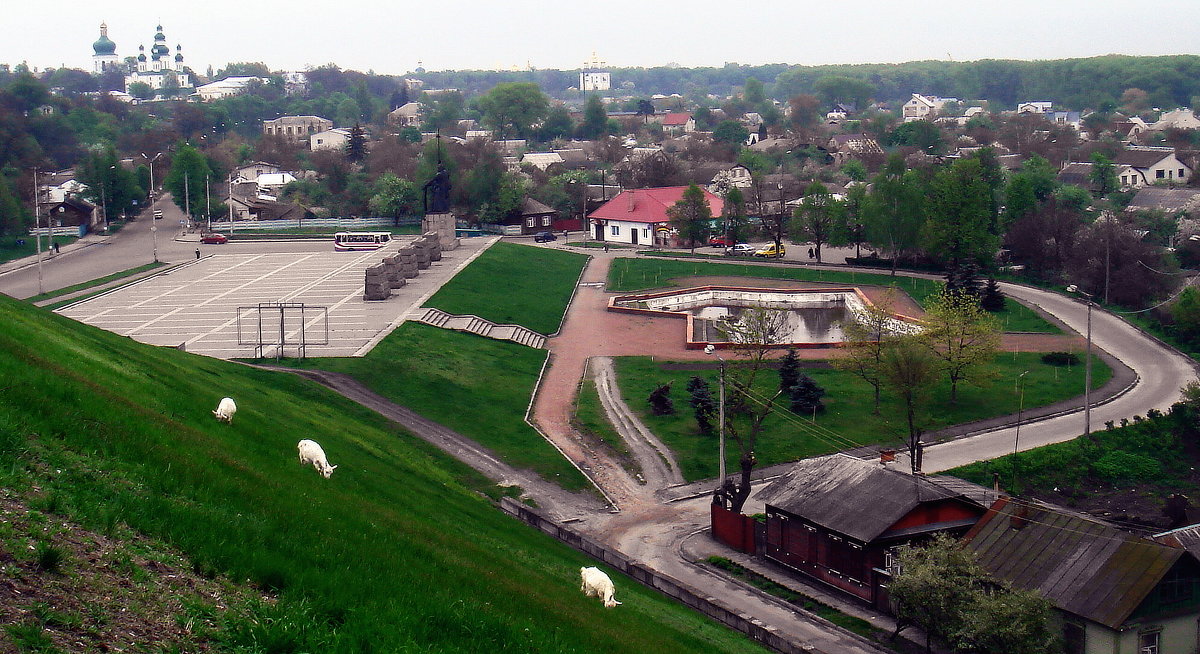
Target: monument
[{"x": 436, "y": 201}]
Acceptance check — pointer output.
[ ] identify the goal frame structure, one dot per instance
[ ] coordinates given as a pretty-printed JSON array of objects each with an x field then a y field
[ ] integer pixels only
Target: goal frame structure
[{"x": 281, "y": 325}]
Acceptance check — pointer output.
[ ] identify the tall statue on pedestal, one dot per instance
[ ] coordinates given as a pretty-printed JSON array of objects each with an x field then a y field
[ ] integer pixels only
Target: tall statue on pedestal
[
  {"x": 438, "y": 220},
  {"x": 437, "y": 192}
]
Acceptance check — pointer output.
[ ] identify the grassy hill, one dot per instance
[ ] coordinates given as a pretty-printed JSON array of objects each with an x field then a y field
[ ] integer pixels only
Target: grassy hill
[{"x": 398, "y": 551}]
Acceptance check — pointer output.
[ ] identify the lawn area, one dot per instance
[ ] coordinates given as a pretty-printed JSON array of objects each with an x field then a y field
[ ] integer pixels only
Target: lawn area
[
  {"x": 477, "y": 386},
  {"x": 629, "y": 275},
  {"x": 10, "y": 250},
  {"x": 848, "y": 420},
  {"x": 95, "y": 282},
  {"x": 515, "y": 284},
  {"x": 590, "y": 420},
  {"x": 397, "y": 552}
]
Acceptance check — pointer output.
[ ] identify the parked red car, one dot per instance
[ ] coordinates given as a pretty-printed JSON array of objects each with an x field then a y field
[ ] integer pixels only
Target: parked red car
[
  {"x": 213, "y": 239},
  {"x": 719, "y": 242}
]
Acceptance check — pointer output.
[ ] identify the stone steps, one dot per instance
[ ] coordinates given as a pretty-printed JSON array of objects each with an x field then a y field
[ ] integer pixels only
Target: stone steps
[{"x": 483, "y": 327}]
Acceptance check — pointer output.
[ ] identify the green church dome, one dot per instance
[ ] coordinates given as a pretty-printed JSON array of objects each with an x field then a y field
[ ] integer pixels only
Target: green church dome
[{"x": 104, "y": 46}]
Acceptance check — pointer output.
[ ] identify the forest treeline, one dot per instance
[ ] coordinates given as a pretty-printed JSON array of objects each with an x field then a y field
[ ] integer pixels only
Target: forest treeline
[{"x": 1089, "y": 83}]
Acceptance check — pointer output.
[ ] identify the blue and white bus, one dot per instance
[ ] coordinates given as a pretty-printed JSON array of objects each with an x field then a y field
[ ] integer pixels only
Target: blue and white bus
[{"x": 344, "y": 241}]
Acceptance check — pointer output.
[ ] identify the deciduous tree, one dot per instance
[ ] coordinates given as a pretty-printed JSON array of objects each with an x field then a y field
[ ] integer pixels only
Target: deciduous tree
[
  {"x": 960, "y": 218},
  {"x": 756, "y": 333},
  {"x": 961, "y": 336},
  {"x": 907, "y": 369},
  {"x": 817, "y": 216},
  {"x": 691, "y": 216},
  {"x": 867, "y": 339},
  {"x": 512, "y": 108}
]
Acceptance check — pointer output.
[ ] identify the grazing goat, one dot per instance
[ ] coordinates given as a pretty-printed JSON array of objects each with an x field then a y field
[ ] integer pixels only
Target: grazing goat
[
  {"x": 311, "y": 452},
  {"x": 225, "y": 410},
  {"x": 597, "y": 584}
]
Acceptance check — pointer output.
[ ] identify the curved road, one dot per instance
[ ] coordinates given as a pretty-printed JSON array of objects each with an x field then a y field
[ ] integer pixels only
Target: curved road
[{"x": 1161, "y": 371}]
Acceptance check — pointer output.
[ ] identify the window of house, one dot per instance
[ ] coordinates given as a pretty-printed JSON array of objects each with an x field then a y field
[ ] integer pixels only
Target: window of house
[
  {"x": 1181, "y": 173},
  {"x": 891, "y": 561},
  {"x": 1074, "y": 637},
  {"x": 545, "y": 221},
  {"x": 646, "y": 234},
  {"x": 529, "y": 221},
  {"x": 1160, "y": 174},
  {"x": 615, "y": 230},
  {"x": 1148, "y": 642},
  {"x": 1124, "y": 180}
]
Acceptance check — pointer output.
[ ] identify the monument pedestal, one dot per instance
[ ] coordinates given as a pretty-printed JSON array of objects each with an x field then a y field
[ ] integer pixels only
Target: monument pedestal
[{"x": 443, "y": 225}]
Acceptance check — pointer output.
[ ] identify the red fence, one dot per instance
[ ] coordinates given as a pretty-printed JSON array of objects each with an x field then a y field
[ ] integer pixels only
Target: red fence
[{"x": 733, "y": 529}]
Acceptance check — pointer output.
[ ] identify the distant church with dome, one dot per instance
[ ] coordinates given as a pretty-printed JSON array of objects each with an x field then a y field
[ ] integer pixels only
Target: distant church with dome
[{"x": 153, "y": 71}]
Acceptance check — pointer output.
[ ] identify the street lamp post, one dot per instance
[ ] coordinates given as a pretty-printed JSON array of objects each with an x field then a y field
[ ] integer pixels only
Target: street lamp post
[
  {"x": 1087, "y": 364},
  {"x": 150, "y": 196},
  {"x": 1017, "y": 437},
  {"x": 709, "y": 349},
  {"x": 151, "y": 160},
  {"x": 37, "y": 230}
]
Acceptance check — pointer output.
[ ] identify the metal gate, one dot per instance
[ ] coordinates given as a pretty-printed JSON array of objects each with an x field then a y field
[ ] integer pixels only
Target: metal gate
[{"x": 281, "y": 325}]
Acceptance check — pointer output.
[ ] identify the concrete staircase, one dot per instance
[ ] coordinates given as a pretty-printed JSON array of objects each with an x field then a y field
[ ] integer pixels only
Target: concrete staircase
[{"x": 477, "y": 325}]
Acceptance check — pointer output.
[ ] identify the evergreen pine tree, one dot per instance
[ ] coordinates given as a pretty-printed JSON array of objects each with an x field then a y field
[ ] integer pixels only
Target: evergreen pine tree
[
  {"x": 660, "y": 400},
  {"x": 356, "y": 146},
  {"x": 789, "y": 370},
  {"x": 992, "y": 299},
  {"x": 703, "y": 403},
  {"x": 806, "y": 396}
]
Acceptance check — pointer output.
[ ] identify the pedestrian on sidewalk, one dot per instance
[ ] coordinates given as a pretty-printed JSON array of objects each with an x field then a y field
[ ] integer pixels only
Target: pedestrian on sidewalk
[
  {"x": 55, "y": 246},
  {"x": 197, "y": 253}
]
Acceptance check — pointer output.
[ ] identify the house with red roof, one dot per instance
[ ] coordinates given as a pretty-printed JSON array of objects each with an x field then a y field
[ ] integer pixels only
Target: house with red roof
[
  {"x": 639, "y": 216},
  {"x": 676, "y": 122}
]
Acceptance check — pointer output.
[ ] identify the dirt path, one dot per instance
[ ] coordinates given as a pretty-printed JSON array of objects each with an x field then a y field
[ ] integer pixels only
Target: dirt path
[
  {"x": 659, "y": 468},
  {"x": 551, "y": 498}
]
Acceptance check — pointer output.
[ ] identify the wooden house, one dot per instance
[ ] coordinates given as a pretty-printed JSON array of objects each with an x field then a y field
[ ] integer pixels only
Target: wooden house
[
  {"x": 840, "y": 520},
  {"x": 1115, "y": 592}
]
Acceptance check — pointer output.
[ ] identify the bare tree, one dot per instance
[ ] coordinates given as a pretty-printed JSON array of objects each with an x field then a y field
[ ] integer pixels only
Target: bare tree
[
  {"x": 909, "y": 370},
  {"x": 756, "y": 333},
  {"x": 866, "y": 340}
]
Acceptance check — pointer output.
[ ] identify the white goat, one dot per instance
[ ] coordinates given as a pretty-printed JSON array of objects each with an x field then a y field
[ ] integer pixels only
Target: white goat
[
  {"x": 225, "y": 410},
  {"x": 597, "y": 584},
  {"x": 311, "y": 452}
]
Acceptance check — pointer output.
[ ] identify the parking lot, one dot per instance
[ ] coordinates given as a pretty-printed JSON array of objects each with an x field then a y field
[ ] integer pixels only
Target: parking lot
[{"x": 201, "y": 306}]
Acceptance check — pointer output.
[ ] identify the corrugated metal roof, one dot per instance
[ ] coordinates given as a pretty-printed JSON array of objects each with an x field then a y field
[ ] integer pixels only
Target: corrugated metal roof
[
  {"x": 860, "y": 499},
  {"x": 1083, "y": 566}
]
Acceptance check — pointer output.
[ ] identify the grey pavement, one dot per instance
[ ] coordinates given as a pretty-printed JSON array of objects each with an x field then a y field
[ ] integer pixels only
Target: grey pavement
[{"x": 210, "y": 306}]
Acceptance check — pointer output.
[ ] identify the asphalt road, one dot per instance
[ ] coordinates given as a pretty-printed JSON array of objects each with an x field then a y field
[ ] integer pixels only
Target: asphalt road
[{"x": 1161, "y": 372}]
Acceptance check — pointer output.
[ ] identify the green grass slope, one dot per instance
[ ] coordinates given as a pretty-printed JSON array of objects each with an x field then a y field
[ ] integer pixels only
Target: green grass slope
[
  {"x": 396, "y": 552},
  {"x": 514, "y": 284}
]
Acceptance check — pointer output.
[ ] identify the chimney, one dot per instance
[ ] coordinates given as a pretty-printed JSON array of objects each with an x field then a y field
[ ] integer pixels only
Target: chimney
[{"x": 631, "y": 203}]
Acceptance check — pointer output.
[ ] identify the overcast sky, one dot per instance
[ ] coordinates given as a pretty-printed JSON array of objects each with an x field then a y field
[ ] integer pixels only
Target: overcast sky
[{"x": 392, "y": 37}]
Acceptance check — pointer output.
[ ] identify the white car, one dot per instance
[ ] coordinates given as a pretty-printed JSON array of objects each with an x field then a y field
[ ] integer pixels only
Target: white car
[{"x": 741, "y": 250}]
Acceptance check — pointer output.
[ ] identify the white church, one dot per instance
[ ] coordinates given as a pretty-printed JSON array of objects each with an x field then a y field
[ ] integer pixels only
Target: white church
[{"x": 154, "y": 71}]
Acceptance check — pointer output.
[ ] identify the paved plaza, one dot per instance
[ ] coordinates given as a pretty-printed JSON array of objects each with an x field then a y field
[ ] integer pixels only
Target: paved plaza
[{"x": 210, "y": 306}]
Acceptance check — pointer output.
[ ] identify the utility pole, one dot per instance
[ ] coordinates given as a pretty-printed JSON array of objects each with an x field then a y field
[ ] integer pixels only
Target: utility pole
[
  {"x": 187, "y": 198},
  {"x": 229, "y": 201},
  {"x": 207, "y": 204},
  {"x": 37, "y": 229}
]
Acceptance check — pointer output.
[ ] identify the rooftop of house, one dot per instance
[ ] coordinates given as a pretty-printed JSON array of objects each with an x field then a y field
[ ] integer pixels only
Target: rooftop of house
[
  {"x": 1082, "y": 565},
  {"x": 1143, "y": 157},
  {"x": 861, "y": 499},
  {"x": 676, "y": 119},
  {"x": 649, "y": 205},
  {"x": 1165, "y": 199}
]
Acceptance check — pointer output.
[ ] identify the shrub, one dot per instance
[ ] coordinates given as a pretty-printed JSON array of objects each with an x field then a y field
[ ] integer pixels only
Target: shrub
[
  {"x": 49, "y": 557},
  {"x": 1119, "y": 466},
  {"x": 1060, "y": 359}
]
